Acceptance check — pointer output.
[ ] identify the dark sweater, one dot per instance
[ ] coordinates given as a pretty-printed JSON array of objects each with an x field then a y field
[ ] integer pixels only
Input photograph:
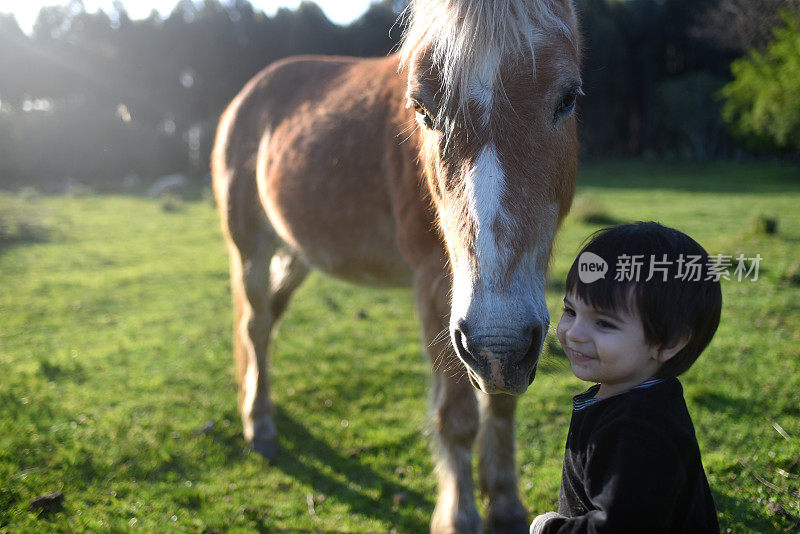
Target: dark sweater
[{"x": 632, "y": 464}]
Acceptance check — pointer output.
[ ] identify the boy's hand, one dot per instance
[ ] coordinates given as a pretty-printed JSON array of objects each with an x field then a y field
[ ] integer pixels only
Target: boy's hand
[{"x": 539, "y": 522}]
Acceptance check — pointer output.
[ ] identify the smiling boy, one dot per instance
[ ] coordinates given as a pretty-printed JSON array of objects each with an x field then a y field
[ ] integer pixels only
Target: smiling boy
[{"x": 632, "y": 462}]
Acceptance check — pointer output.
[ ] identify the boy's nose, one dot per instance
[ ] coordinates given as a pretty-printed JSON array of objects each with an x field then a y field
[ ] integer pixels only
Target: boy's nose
[{"x": 576, "y": 332}]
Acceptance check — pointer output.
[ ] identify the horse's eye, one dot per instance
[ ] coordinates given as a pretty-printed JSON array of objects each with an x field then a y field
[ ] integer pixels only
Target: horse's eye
[
  {"x": 420, "y": 110},
  {"x": 567, "y": 103}
]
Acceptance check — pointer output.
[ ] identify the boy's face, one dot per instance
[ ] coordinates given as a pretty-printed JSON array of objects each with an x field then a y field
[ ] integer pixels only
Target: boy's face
[{"x": 606, "y": 347}]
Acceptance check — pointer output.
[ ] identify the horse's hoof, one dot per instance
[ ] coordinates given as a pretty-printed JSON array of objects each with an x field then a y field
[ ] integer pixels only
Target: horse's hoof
[
  {"x": 268, "y": 448},
  {"x": 464, "y": 521},
  {"x": 264, "y": 437}
]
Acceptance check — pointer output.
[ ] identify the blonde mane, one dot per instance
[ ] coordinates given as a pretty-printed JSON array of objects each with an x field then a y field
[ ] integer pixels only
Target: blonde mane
[{"x": 463, "y": 34}]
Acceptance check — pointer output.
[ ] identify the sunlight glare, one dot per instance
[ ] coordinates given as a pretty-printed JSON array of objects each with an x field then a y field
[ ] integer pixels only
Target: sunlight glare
[{"x": 338, "y": 11}]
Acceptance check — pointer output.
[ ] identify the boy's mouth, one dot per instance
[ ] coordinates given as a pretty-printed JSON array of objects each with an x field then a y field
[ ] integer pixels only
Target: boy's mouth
[{"x": 578, "y": 356}]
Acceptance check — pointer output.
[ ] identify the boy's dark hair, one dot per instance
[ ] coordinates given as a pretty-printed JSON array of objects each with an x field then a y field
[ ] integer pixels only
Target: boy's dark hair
[{"x": 669, "y": 309}]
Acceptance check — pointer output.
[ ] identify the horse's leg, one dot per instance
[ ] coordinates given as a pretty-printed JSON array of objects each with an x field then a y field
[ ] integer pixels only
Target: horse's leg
[
  {"x": 287, "y": 272},
  {"x": 253, "y": 322},
  {"x": 455, "y": 411},
  {"x": 496, "y": 470},
  {"x": 262, "y": 279},
  {"x": 455, "y": 416}
]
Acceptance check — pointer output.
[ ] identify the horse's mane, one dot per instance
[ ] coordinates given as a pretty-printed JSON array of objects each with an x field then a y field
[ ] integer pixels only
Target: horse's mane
[{"x": 462, "y": 34}]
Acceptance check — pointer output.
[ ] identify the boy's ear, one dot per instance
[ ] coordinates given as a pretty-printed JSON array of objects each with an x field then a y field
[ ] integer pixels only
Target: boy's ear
[{"x": 667, "y": 352}]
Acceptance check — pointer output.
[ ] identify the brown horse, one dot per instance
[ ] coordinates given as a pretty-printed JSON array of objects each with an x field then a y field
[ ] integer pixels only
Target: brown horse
[{"x": 446, "y": 167}]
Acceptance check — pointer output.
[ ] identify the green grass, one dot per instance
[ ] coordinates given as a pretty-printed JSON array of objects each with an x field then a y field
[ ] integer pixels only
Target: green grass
[{"x": 117, "y": 387}]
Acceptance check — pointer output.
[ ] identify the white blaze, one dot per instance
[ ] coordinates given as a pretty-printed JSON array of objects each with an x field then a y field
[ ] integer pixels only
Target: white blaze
[
  {"x": 482, "y": 289},
  {"x": 484, "y": 188},
  {"x": 481, "y": 89},
  {"x": 484, "y": 185}
]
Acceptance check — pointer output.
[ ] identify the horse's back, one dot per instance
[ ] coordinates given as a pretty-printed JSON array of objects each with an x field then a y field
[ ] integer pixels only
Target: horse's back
[
  {"x": 265, "y": 101},
  {"x": 315, "y": 139}
]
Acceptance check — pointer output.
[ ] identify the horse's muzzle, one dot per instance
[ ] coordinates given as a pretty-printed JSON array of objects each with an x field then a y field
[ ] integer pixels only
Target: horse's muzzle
[{"x": 499, "y": 363}]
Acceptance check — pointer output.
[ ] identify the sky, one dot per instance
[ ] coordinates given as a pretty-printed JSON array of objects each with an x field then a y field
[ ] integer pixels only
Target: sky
[{"x": 25, "y": 11}]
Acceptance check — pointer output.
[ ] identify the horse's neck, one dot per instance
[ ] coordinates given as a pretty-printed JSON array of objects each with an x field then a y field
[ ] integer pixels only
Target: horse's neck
[{"x": 413, "y": 213}]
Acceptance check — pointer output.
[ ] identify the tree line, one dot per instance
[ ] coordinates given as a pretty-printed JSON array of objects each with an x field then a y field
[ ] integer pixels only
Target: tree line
[{"x": 98, "y": 96}]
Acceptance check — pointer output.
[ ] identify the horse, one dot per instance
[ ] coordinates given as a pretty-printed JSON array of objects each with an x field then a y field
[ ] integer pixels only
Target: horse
[{"x": 446, "y": 166}]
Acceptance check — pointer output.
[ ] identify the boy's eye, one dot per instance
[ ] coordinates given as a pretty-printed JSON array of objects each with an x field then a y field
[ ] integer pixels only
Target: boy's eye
[
  {"x": 569, "y": 312},
  {"x": 605, "y": 324}
]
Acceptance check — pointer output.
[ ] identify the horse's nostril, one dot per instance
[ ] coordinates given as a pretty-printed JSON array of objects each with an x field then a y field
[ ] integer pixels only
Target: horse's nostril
[
  {"x": 537, "y": 336},
  {"x": 536, "y": 333},
  {"x": 462, "y": 327},
  {"x": 462, "y": 342}
]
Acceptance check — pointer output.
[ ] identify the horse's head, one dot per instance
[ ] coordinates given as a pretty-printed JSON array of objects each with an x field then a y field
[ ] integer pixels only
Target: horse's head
[{"x": 494, "y": 84}]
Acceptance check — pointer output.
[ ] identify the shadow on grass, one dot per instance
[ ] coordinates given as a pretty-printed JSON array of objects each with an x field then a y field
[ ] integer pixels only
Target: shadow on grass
[
  {"x": 342, "y": 475},
  {"x": 21, "y": 223},
  {"x": 21, "y": 233},
  {"x": 743, "y": 511},
  {"x": 352, "y": 476},
  {"x": 722, "y": 403},
  {"x": 71, "y": 371}
]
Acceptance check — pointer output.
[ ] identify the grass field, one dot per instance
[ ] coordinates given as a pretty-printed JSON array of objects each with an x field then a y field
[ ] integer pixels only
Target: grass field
[{"x": 117, "y": 386}]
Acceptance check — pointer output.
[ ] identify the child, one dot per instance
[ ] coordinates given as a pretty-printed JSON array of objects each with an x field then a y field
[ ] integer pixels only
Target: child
[{"x": 632, "y": 462}]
